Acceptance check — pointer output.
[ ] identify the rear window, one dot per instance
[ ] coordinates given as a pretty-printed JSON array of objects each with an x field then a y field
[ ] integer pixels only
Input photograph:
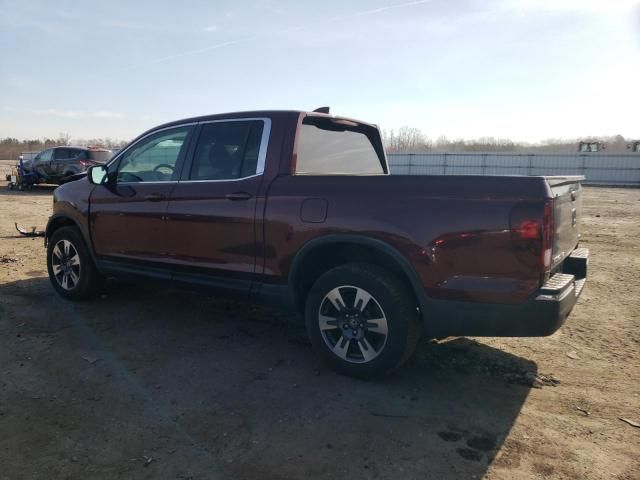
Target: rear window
[
  {"x": 328, "y": 147},
  {"x": 100, "y": 155}
]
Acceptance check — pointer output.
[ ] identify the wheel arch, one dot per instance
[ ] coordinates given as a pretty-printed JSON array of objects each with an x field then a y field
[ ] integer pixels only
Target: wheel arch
[
  {"x": 62, "y": 220},
  {"x": 321, "y": 254}
]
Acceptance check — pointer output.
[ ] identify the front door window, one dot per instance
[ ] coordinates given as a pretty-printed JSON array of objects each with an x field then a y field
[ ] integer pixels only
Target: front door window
[{"x": 155, "y": 158}]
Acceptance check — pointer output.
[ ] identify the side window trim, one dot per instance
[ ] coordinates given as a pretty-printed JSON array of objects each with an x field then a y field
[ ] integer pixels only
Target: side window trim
[
  {"x": 182, "y": 158},
  {"x": 262, "y": 155},
  {"x": 190, "y": 152}
]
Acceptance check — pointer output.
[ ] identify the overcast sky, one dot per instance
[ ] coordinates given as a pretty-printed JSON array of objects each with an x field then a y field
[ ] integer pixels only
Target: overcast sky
[{"x": 523, "y": 69}]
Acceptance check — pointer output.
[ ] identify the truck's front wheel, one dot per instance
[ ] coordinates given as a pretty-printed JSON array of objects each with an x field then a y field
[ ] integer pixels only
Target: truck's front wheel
[
  {"x": 71, "y": 269},
  {"x": 362, "y": 319}
]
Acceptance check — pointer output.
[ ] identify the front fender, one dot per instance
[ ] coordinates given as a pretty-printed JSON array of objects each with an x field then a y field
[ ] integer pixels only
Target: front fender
[{"x": 71, "y": 208}]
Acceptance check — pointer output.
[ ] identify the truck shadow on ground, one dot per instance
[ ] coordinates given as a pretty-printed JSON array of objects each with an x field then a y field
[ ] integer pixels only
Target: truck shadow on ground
[
  {"x": 208, "y": 386},
  {"x": 40, "y": 190}
]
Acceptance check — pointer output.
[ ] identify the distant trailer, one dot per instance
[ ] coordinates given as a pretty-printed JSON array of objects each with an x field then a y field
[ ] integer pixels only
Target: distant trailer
[{"x": 587, "y": 147}]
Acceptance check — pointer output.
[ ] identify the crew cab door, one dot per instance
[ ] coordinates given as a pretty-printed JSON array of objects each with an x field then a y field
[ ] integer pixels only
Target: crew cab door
[
  {"x": 128, "y": 215},
  {"x": 211, "y": 217}
]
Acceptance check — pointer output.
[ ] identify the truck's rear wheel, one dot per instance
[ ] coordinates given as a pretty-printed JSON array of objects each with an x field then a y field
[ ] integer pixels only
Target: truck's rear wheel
[
  {"x": 362, "y": 320},
  {"x": 71, "y": 269}
]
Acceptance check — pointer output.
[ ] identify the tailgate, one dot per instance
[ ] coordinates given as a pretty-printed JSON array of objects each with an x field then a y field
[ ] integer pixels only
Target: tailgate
[{"x": 566, "y": 193}]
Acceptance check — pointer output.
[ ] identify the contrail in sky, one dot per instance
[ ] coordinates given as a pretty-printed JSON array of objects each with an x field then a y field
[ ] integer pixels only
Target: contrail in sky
[{"x": 216, "y": 46}]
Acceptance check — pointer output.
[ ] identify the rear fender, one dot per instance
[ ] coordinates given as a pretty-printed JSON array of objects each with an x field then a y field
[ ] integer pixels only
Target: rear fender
[{"x": 384, "y": 248}]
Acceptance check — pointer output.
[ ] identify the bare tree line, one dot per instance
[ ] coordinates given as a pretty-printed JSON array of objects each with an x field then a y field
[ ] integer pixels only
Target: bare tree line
[
  {"x": 11, "y": 148},
  {"x": 405, "y": 139},
  {"x": 410, "y": 139}
]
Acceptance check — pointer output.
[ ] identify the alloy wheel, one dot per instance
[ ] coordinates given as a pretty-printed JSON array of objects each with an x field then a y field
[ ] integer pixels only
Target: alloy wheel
[
  {"x": 65, "y": 263},
  {"x": 353, "y": 324}
]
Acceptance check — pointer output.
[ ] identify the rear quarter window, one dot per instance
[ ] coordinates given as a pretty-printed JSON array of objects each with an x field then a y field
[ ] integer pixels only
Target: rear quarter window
[
  {"x": 333, "y": 150},
  {"x": 99, "y": 155}
]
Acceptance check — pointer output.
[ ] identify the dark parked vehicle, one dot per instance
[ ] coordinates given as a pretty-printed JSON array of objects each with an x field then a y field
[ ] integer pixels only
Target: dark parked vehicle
[
  {"x": 57, "y": 164},
  {"x": 298, "y": 209}
]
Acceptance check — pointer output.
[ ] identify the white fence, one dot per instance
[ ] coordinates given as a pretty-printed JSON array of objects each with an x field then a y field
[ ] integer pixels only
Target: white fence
[{"x": 599, "y": 169}]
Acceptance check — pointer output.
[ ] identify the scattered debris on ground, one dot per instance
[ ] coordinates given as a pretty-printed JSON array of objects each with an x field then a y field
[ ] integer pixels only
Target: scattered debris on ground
[
  {"x": 467, "y": 356},
  {"x": 29, "y": 232},
  {"x": 583, "y": 410},
  {"x": 630, "y": 422}
]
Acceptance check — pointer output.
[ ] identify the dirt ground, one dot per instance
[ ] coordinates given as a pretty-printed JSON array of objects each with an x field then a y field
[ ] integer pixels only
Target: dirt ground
[{"x": 146, "y": 382}]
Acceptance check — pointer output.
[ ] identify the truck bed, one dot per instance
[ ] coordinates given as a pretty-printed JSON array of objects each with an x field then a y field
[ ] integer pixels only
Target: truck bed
[{"x": 456, "y": 229}]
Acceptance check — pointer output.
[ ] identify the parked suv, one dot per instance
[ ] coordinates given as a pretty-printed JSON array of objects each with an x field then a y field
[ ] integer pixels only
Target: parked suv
[
  {"x": 57, "y": 164},
  {"x": 298, "y": 209}
]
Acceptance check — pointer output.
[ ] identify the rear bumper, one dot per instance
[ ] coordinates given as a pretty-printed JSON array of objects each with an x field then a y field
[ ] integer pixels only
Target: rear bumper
[{"x": 541, "y": 315}]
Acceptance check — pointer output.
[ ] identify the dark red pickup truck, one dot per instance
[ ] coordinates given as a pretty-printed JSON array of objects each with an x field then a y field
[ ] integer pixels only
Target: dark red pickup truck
[{"x": 298, "y": 209}]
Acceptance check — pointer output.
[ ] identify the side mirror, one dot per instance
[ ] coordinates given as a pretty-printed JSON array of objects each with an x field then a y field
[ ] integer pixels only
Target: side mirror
[{"x": 98, "y": 175}]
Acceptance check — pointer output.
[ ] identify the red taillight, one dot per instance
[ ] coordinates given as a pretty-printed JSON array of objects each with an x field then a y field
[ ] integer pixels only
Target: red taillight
[
  {"x": 547, "y": 235},
  {"x": 531, "y": 225},
  {"x": 87, "y": 163},
  {"x": 528, "y": 230}
]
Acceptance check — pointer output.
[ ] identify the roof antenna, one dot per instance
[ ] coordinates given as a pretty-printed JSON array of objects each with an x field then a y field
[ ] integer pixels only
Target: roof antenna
[{"x": 322, "y": 110}]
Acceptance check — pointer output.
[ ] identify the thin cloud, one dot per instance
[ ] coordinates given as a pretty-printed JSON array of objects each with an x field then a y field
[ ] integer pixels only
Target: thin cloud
[
  {"x": 216, "y": 46},
  {"x": 571, "y": 6},
  {"x": 126, "y": 25},
  {"x": 192, "y": 52},
  {"x": 375, "y": 11},
  {"x": 53, "y": 112},
  {"x": 104, "y": 114},
  {"x": 58, "y": 113},
  {"x": 143, "y": 27}
]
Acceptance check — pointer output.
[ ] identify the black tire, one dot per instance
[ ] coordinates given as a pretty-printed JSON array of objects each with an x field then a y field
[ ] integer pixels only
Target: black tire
[
  {"x": 393, "y": 302},
  {"x": 88, "y": 280},
  {"x": 10, "y": 186}
]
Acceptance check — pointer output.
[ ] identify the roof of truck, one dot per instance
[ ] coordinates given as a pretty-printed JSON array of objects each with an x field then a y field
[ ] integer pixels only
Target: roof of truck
[{"x": 254, "y": 114}]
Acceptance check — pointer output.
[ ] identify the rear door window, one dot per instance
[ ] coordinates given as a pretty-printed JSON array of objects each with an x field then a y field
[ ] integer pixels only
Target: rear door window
[
  {"x": 328, "y": 147},
  {"x": 80, "y": 155},
  {"x": 62, "y": 153},
  {"x": 227, "y": 150},
  {"x": 76, "y": 154}
]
